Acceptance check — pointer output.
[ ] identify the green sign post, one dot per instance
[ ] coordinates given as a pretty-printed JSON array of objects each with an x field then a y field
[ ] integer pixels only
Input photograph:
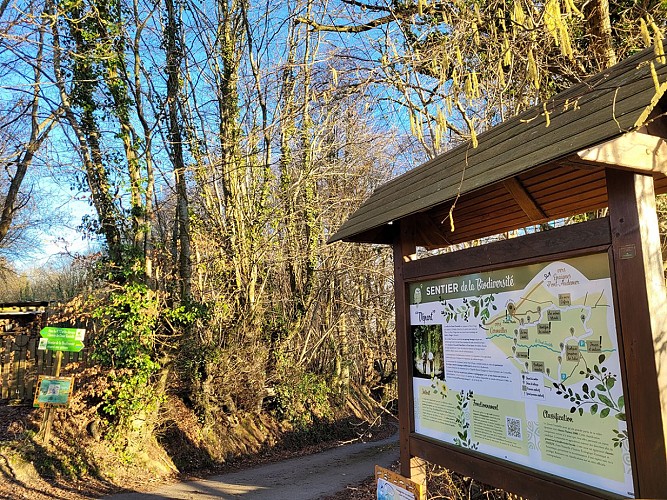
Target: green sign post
[{"x": 57, "y": 390}]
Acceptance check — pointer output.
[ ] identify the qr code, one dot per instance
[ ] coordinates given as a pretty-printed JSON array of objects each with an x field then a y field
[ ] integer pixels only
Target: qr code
[{"x": 513, "y": 428}]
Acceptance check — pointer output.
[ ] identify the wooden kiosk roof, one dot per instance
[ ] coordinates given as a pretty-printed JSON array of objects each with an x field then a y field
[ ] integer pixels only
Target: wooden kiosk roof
[{"x": 547, "y": 163}]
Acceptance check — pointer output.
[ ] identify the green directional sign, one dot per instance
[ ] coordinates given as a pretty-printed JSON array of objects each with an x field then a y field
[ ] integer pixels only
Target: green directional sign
[
  {"x": 60, "y": 344},
  {"x": 55, "y": 338},
  {"x": 54, "y": 332}
]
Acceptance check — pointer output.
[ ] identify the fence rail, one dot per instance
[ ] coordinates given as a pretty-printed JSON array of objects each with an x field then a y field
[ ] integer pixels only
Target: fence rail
[{"x": 21, "y": 364}]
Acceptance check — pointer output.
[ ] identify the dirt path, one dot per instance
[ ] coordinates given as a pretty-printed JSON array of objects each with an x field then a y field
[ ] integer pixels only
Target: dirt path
[{"x": 304, "y": 478}]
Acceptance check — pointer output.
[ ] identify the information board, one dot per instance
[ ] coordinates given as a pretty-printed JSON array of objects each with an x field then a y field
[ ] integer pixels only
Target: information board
[
  {"x": 53, "y": 390},
  {"x": 392, "y": 486},
  {"x": 522, "y": 364}
]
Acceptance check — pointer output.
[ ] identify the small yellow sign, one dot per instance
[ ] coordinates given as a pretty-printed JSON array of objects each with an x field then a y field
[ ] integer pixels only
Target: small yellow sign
[{"x": 392, "y": 486}]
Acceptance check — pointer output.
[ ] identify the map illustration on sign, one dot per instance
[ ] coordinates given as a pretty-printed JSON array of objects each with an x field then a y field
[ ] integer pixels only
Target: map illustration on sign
[{"x": 530, "y": 369}]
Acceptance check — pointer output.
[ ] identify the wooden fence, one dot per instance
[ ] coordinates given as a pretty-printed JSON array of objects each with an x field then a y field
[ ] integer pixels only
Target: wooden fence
[{"x": 21, "y": 364}]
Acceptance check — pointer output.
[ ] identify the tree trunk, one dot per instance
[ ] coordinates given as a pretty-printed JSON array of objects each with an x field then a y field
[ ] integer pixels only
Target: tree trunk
[
  {"x": 599, "y": 26},
  {"x": 174, "y": 58}
]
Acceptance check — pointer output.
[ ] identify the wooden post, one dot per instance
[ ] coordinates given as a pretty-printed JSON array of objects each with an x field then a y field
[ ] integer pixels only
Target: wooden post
[
  {"x": 47, "y": 421},
  {"x": 642, "y": 312},
  {"x": 404, "y": 251}
]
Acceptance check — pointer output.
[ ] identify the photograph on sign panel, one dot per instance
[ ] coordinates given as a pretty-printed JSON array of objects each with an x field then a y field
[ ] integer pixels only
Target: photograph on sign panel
[{"x": 428, "y": 361}]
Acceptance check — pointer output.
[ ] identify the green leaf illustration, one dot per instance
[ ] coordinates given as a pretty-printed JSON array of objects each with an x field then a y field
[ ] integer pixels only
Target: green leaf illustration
[{"x": 606, "y": 400}]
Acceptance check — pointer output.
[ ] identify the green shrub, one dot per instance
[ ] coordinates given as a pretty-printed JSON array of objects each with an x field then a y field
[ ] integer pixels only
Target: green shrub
[
  {"x": 126, "y": 343},
  {"x": 302, "y": 398}
]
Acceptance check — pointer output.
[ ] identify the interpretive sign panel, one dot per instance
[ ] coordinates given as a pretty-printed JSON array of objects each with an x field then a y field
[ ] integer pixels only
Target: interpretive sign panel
[
  {"x": 522, "y": 364},
  {"x": 53, "y": 390},
  {"x": 392, "y": 486}
]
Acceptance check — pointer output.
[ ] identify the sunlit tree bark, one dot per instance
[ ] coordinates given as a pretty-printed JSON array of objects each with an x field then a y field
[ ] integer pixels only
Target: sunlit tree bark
[
  {"x": 20, "y": 151},
  {"x": 174, "y": 57}
]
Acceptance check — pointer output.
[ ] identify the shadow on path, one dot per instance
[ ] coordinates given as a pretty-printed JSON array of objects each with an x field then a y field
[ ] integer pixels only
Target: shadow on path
[{"x": 304, "y": 478}]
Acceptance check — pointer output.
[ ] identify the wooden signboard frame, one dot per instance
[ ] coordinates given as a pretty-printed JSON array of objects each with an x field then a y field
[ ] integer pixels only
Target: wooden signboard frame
[
  {"x": 552, "y": 162},
  {"x": 630, "y": 237}
]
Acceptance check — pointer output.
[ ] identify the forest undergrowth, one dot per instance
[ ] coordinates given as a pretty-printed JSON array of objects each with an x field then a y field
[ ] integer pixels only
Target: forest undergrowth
[{"x": 79, "y": 462}]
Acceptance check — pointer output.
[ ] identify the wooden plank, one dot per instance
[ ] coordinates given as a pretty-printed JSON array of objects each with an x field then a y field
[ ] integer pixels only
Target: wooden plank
[
  {"x": 481, "y": 222},
  {"x": 483, "y": 198},
  {"x": 642, "y": 309},
  {"x": 576, "y": 192},
  {"x": 434, "y": 226},
  {"x": 576, "y": 205},
  {"x": 572, "y": 240},
  {"x": 473, "y": 213},
  {"x": 660, "y": 184},
  {"x": 524, "y": 199},
  {"x": 45, "y": 368},
  {"x": 31, "y": 369},
  {"x": 470, "y": 207},
  {"x": 548, "y": 174},
  {"x": 430, "y": 234},
  {"x": 4, "y": 355},
  {"x": 504, "y": 475},
  {"x": 40, "y": 362},
  {"x": 404, "y": 251},
  {"x": 467, "y": 222},
  {"x": 634, "y": 150},
  {"x": 569, "y": 174},
  {"x": 20, "y": 360},
  {"x": 9, "y": 363},
  {"x": 13, "y": 384},
  {"x": 587, "y": 180},
  {"x": 489, "y": 219},
  {"x": 575, "y": 162}
]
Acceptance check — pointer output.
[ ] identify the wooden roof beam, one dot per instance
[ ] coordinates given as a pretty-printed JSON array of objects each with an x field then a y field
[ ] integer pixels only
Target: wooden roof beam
[
  {"x": 635, "y": 151},
  {"x": 431, "y": 234},
  {"x": 524, "y": 199}
]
